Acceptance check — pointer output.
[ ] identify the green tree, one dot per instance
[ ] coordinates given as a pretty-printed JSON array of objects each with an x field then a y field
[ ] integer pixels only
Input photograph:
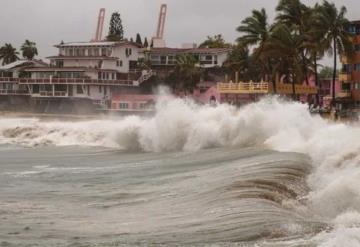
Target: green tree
[
  {"x": 217, "y": 41},
  {"x": 138, "y": 39},
  {"x": 314, "y": 46},
  {"x": 256, "y": 33},
  {"x": 284, "y": 45},
  {"x": 240, "y": 60},
  {"x": 333, "y": 24},
  {"x": 146, "y": 43},
  {"x": 326, "y": 72},
  {"x": 29, "y": 50},
  {"x": 116, "y": 30},
  {"x": 186, "y": 74},
  {"x": 295, "y": 15},
  {"x": 8, "y": 54}
]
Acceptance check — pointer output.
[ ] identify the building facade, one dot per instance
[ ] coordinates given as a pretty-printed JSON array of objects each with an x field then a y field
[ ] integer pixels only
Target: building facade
[
  {"x": 206, "y": 57},
  {"x": 349, "y": 76},
  {"x": 81, "y": 70}
]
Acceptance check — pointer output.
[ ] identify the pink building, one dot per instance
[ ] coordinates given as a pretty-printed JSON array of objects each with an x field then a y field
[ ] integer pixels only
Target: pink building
[{"x": 133, "y": 102}]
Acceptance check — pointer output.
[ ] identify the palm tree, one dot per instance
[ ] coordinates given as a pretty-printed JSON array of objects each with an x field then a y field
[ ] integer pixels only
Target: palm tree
[
  {"x": 240, "y": 60},
  {"x": 295, "y": 15},
  {"x": 312, "y": 44},
  {"x": 256, "y": 32},
  {"x": 284, "y": 45},
  {"x": 333, "y": 24},
  {"x": 29, "y": 50},
  {"x": 8, "y": 54},
  {"x": 186, "y": 74}
]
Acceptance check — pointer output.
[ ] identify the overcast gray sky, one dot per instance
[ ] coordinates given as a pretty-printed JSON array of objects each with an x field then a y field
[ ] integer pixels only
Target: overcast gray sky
[{"x": 47, "y": 22}]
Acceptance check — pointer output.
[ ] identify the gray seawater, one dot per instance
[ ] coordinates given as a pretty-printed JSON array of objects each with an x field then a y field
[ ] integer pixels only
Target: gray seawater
[{"x": 84, "y": 196}]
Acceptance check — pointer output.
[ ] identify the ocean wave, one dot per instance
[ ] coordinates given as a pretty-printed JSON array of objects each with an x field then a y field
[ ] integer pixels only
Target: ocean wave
[{"x": 183, "y": 125}]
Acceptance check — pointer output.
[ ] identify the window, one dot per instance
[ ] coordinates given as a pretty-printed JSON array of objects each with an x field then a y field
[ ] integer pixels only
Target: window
[
  {"x": 163, "y": 60},
  {"x": 59, "y": 63},
  {"x": 100, "y": 63},
  {"x": 208, "y": 57},
  {"x": 96, "y": 52},
  {"x": 103, "y": 51},
  {"x": 109, "y": 51},
  {"x": 123, "y": 105},
  {"x": 128, "y": 52},
  {"x": 345, "y": 86},
  {"x": 90, "y": 52},
  {"x": 142, "y": 105},
  {"x": 100, "y": 89},
  {"x": 357, "y": 67},
  {"x": 357, "y": 48},
  {"x": 119, "y": 63},
  {"x": 356, "y": 86},
  {"x": 79, "y": 89},
  {"x": 215, "y": 59}
]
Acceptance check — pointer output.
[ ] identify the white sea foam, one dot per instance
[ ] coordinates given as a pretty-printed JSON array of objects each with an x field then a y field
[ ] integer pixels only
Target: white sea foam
[{"x": 183, "y": 125}]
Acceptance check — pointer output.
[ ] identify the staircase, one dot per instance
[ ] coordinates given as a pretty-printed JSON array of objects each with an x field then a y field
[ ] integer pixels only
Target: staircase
[{"x": 146, "y": 75}]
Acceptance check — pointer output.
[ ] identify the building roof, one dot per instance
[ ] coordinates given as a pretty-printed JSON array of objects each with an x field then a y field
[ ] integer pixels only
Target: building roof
[
  {"x": 83, "y": 57},
  {"x": 168, "y": 50},
  {"x": 97, "y": 43},
  {"x": 68, "y": 69},
  {"x": 22, "y": 62}
]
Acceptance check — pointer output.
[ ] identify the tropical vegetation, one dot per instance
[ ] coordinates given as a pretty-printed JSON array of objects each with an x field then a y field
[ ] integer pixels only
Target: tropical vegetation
[
  {"x": 116, "y": 30},
  {"x": 293, "y": 44},
  {"x": 29, "y": 50},
  {"x": 8, "y": 54}
]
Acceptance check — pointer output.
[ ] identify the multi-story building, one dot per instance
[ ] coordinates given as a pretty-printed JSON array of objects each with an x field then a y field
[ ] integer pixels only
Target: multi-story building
[
  {"x": 81, "y": 70},
  {"x": 207, "y": 57},
  {"x": 350, "y": 72}
]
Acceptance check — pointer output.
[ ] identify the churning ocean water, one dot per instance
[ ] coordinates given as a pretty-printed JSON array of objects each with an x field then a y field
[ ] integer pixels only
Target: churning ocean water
[{"x": 268, "y": 174}]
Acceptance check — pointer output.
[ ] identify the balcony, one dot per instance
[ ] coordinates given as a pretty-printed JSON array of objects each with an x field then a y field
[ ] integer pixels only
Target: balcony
[
  {"x": 345, "y": 77},
  {"x": 343, "y": 94}
]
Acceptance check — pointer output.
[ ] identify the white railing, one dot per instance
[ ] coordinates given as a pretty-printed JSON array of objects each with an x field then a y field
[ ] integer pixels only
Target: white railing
[
  {"x": 8, "y": 79},
  {"x": 53, "y": 94},
  {"x": 74, "y": 81},
  {"x": 13, "y": 92}
]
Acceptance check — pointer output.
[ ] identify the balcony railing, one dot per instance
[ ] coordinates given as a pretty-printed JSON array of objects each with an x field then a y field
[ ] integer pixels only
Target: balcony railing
[
  {"x": 75, "y": 81},
  {"x": 343, "y": 94},
  {"x": 53, "y": 94},
  {"x": 13, "y": 92},
  {"x": 245, "y": 88},
  {"x": 8, "y": 79},
  {"x": 345, "y": 77}
]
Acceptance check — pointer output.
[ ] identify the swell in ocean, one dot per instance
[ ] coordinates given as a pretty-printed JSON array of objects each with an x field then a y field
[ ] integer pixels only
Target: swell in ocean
[{"x": 307, "y": 190}]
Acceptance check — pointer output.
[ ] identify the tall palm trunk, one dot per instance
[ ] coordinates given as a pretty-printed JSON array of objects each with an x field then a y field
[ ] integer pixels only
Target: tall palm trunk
[
  {"x": 273, "y": 81},
  {"x": 317, "y": 79},
  {"x": 293, "y": 86},
  {"x": 303, "y": 57},
  {"x": 334, "y": 73}
]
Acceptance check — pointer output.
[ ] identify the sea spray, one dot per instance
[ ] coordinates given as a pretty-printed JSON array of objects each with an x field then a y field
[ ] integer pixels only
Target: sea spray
[{"x": 184, "y": 125}]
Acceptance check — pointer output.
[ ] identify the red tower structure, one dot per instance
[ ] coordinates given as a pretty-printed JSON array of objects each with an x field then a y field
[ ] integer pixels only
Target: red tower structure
[{"x": 100, "y": 25}]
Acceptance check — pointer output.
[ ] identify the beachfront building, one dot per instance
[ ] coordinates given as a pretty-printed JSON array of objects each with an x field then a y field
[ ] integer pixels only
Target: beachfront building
[
  {"x": 349, "y": 76},
  {"x": 165, "y": 58},
  {"x": 90, "y": 71}
]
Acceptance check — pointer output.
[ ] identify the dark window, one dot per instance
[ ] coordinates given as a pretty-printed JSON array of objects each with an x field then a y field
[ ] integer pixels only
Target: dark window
[
  {"x": 79, "y": 89},
  {"x": 59, "y": 63}
]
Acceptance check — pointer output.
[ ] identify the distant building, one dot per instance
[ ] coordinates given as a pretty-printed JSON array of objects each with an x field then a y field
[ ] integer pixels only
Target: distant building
[
  {"x": 350, "y": 72},
  {"x": 81, "y": 70},
  {"x": 162, "y": 58}
]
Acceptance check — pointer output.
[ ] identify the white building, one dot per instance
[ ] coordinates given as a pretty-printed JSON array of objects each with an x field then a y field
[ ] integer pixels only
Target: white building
[
  {"x": 207, "y": 57},
  {"x": 92, "y": 70}
]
